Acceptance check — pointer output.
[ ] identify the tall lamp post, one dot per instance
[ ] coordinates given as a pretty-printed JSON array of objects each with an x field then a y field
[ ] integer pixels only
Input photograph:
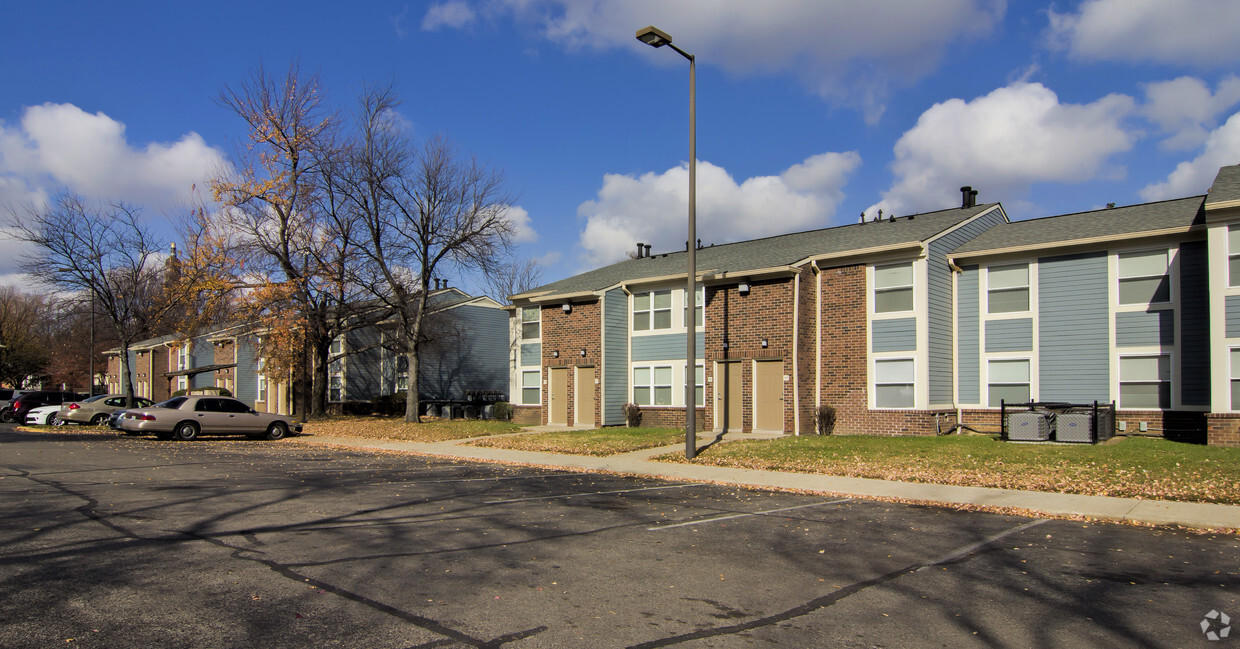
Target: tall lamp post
[{"x": 655, "y": 37}]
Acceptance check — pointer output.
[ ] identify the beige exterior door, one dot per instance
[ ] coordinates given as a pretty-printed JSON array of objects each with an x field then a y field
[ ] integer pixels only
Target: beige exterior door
[
  {"x": 730, "y": 402},
  {"x": 768, "y": 398},
  {"x": 583, "y": 393},
  {"x": 557, "y": 396}
]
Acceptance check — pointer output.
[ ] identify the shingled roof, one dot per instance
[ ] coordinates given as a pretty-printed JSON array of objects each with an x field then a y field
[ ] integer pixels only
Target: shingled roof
[
  {"x": 1226, "y": 186},
  {"x": 769, "y": 252},
  {"x": 1086, "y": 227}
]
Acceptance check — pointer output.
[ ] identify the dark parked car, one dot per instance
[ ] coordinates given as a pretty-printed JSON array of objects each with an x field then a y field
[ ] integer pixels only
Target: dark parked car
[
  {"x": 186, "y": 418},
  {"x": 7, "y": 397},
  {"x": 34, "y": 399}
]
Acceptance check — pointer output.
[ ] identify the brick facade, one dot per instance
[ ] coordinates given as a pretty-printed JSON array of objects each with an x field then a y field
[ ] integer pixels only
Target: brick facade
[
  {"x": 565, "y": 336},
  {"x": 1223, "y": 429}
]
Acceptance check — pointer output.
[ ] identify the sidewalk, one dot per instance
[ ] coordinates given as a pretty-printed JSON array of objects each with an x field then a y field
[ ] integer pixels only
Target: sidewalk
[{"x": 1154, "y": 512}]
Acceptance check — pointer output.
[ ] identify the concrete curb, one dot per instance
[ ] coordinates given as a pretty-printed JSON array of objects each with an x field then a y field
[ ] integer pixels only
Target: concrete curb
[{"x": 1127, "y": 510}]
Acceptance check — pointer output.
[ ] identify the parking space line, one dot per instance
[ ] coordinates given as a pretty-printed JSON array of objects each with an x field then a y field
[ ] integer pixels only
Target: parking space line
[
  {"x": 731, "y": 516},
  {"x": 986, "y": 541},
  {"x": 593, "y": 493},
  {"x": 496, "y": 478}
]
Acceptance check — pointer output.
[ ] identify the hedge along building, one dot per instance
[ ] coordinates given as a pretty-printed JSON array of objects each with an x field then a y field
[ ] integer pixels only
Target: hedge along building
[{"x": 856, "y": 317}]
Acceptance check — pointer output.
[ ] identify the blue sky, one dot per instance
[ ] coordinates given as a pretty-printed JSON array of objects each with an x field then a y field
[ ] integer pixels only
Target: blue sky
[{"x": 809, "y": 111}]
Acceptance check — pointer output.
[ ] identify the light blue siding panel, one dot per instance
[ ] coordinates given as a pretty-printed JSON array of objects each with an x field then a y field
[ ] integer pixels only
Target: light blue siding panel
[
  {"x": 1232, "y": 308},
  {"x": 615, "y": 356},
  {"x": 1073, "y": 331},
  {"x": 664, "y": 347},
  {"x": 203, "y": 353},
  {"x": 245, "y": 385},
  {"x": 474, "y": 359},
  {"x": 531, "y": 354},
  {"x": 1140, "y": 328},
  {"x": 1009, "y": 335},
  {"x": 1194, "y": 325},
  {"x": 968, "y": 329},
  {"x": 939, "y": 311},
  {"x": 898, "y": 335}
]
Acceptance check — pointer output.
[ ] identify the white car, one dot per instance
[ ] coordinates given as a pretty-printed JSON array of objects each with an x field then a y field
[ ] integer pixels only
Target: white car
[{"x": 44, "y": 416}]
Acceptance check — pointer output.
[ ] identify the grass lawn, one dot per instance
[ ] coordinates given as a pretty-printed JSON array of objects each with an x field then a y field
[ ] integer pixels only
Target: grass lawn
[
  {"x": 606, "y": 441},
  {"x": 1153, "y": 469},
  {"x": 396, "y": 428}
]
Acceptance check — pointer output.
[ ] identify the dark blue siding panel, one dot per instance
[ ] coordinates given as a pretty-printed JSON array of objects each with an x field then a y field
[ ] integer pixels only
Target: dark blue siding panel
[
  {"x": 475, "y": 359},
  {"x": 1140, "y": 328},
  {"x": 362, "y": 365},
  {"x": 245, "y": 385},
  {"x": 968, "y": 344},
  {"x": 615, "y": 373},
  {"x": 898, "y": 335},
  {"x": 1194, "y": 324},
  {"x": 939, "y": 311},
  {"x": 1009, "y": 335},
  {"x": 1073, "y": 332}
]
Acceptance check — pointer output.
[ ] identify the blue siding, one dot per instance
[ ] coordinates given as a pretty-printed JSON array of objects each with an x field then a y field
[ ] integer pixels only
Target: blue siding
[
  {"x": 1232, "y": 307},
  {"x": 476, "y": 359},
  {"x": 245, "y": 387},
  {"x": 664, "y": 347},
  {"x": 1009, "y": 335},
  {"x": 363, "y": 364},
  {"x": 1194, "y": 325},
  {"x": 1073, "y": 332},
  {"x": 1140, "y": 328},
  {"x": 968, "y": 325},
  {"x": 531, "y": 354},
  {"x": 939, "y": 312},
  {"x": 203, "y": 354},
  {"x": 898, "y": 335},
  {"x": 615, "y": 373}
]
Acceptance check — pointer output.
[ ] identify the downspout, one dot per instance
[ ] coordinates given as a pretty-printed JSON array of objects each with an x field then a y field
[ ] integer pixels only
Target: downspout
[
  {"x": 796, "y": 349},
  {"x": 817, "y": 337},
  {"x": 956, "y": 271}
]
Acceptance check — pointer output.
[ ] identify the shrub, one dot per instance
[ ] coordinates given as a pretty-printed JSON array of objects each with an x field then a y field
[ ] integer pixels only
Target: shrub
[
  {"x": 390, "y": 404},
  {"x": 824, "y": 419},
  {"x": 632, "y": 415},
  {"x": 502, "y": 410}
]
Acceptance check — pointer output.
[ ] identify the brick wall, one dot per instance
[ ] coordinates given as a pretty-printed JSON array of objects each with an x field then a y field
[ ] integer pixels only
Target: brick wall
[
  {"x": 1223, "y": 429},
  {"x": 569, "y": 334},
  {"x": 743, "y": 322},
  {"x": 527, "y": 415}
]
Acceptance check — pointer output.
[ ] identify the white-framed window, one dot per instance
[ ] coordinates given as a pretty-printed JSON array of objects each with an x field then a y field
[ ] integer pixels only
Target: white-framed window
[
  {"x": 1234, "y": 354},
  {"x": 335, "y": 388},
  {"x": 699, "y": 385},
  {"x": 1144, "y": 277},
  {"x": 893, "y": 288},
  {"x": 335, "y": 371},
  {"x": 652, "y": 385},
  {"x": 183, "y": 357},
  {"x": 1233, "y": 255},
  {"x": 1008, "y": 381},
  {"x": 1007, "y": 288},
  {"x": 699, "y": 298},
  {"x": 894, "y": 380},
  {"x": 531, "y": 384},
  {"x": 260, "y": 380},
  {"x": 652, "y": 310},
  {"x": 402, "y": 373},
  {"x": 1145, "y": 381},
  {"x": 531, "y": 323}
]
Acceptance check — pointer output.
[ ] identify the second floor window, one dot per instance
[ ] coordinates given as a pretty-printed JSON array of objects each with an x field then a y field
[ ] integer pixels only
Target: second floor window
[
  {"x": 531, "y": 323},
  {"x": 652, "y": 310},
  {"x": 1144, "y": 277},
  {"x": 1008, "y": 288},
  {"x": 893, "y": 288},
  {"x": 1233, "y": 256}
]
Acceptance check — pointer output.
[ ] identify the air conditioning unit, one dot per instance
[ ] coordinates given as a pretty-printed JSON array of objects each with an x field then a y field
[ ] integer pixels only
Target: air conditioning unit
[
  {"x": 1028, "y": 427},
  {"x": 1074, "y": 427}
]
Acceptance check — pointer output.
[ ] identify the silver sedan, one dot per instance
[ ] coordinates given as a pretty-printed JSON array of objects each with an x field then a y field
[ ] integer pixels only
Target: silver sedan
[{"x": 186, "y": 418}]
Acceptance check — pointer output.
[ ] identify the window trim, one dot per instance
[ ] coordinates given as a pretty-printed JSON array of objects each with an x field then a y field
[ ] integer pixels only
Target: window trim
[
  {"x": 1027, "y": 287},
  {"x": 988, "y": 382},
  {"x": 1170, "y": 254},
  {"x": 874, "y": 382},
  {"x": 522, "y": 322},
  {"x": 537, "y": 387},
  {"x": 1232, "y": 282},
  {"x": 652, "y": 367},
  {"x": 1120, "y": 381},
  {"x": 670, "y": 309},
  {"x": 875, "y": 290}
]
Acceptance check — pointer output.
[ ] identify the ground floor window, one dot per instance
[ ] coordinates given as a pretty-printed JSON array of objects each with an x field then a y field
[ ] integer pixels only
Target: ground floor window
[
  {"x": 1235, "y": 376},
  {"x": 1145, "y": 381},
  {"x": 530, "y": 384},
  {"x": 1008, "y": 381},
  {"x": 699, "y": 385},
  {"x": 652, "y": 385},
  {"x": 335, "y": 388},
  {"x": 402, "y": 373},
  {"x": 261, "y": 380},
  {"x": 893, "y": 383}
]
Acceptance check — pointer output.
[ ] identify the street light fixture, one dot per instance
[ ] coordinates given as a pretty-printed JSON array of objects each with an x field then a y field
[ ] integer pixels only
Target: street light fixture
[{"x": 655, "y": 37}]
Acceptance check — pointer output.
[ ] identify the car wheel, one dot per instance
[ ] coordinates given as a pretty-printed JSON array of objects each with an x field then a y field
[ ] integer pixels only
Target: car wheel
[
  {"x": 55, "y": 420},
  {"x": 277, "y": 430},
  {"x": 185, "y": 431},
  {"x": 6, "y": 415},
  {"x": 99, "y": 419}
]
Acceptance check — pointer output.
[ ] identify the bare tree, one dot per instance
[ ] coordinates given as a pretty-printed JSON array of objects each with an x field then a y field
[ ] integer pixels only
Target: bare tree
[
  {"x": 101, "y": 251},
  {"x": 512, "y": 277},
  {"x": 424, "y": 211},
  {"x": 23, "y": 347}
]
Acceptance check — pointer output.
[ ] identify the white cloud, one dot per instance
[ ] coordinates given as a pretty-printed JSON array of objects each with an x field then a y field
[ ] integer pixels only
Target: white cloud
[
  {"x": 454, "y": 13},
  {"x": 60, "y": 146},
  {"x": 523, "y": 230},
  {"x": 1193, "y": 177},
  {"x": 1201, "y": 32},
  {"x": 847, "y": 52},
  {"x": 651, "y": 208},
  {"x": 1187, "y": 110},
  {"x": 1004, "y": 142}
]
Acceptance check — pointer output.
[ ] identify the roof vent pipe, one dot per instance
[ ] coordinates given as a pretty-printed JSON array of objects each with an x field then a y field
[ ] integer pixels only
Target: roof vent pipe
[
  {"x": 647, "y": 246},
  {"x": 966, "y": 195},
  {"x": 973, "y": 198},
  {"x": 639, "y": 250}
]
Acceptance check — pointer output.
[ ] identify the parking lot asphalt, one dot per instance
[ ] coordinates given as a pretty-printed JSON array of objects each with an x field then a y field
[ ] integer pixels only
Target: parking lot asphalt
[{"x": 109, "y": 541}]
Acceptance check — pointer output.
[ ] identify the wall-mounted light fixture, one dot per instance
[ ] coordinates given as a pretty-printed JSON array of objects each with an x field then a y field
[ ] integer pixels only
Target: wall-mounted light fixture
[
  {"x": 743, "y": 288},
  {"x": 555, "y": 354},
  {"x": 567, "y": 307},
  {"x": 764, "y": 343}
]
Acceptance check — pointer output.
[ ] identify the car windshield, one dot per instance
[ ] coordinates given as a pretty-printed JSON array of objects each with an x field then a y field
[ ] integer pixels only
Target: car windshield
[
  {"x": 173, "y": 403},
  {"x": 95, "y": 398}
]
